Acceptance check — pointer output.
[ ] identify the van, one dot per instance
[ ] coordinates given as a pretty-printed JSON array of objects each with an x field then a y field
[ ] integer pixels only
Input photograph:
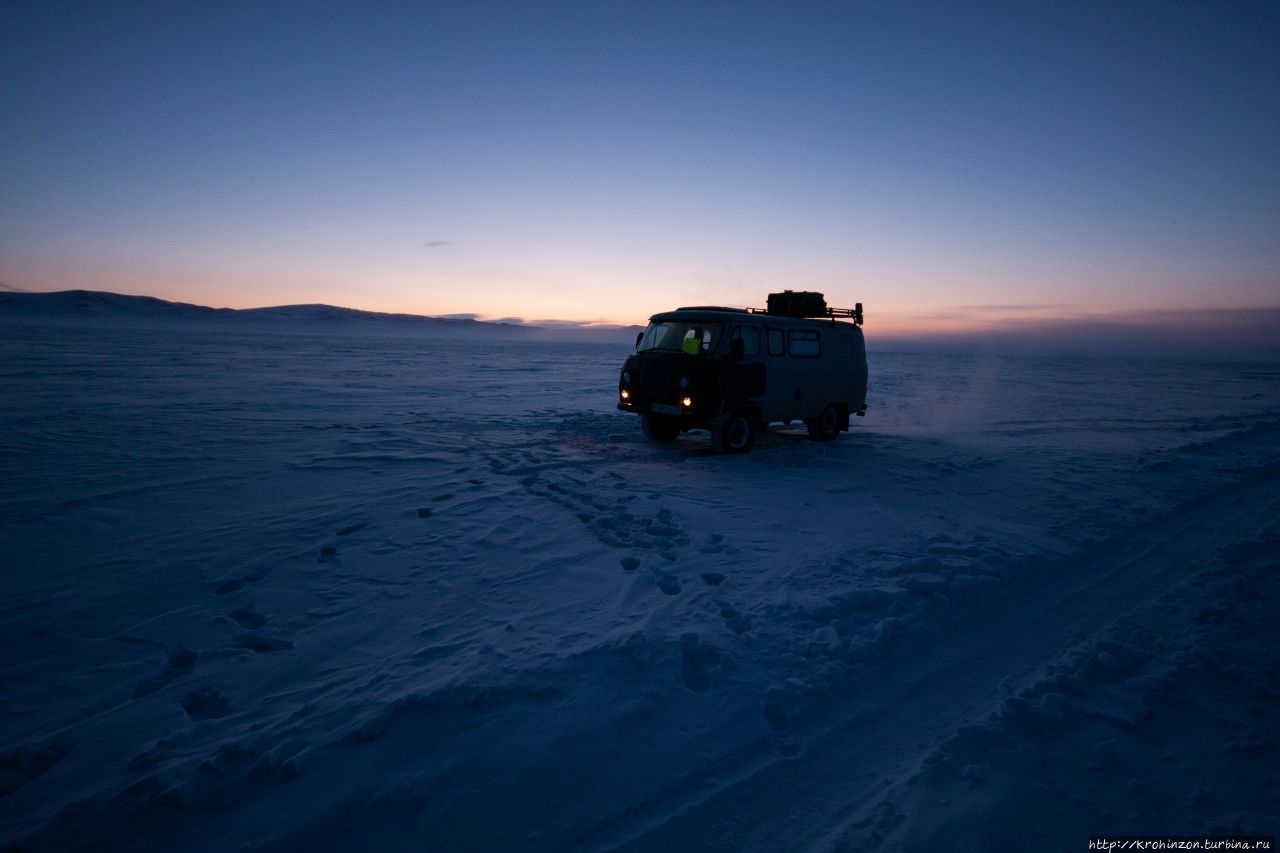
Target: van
[{"x": 734, "y": 371}]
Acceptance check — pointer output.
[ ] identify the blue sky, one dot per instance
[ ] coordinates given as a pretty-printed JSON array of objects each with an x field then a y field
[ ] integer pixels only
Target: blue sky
[{"x": 946, "y": 164}]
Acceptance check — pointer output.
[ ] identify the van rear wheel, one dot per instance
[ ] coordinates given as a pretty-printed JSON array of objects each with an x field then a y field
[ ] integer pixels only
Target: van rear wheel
[
  {"x": 825, "y": 426},
  {"x": 736, "y": 435},
  {"x": 660, "y": 427}
]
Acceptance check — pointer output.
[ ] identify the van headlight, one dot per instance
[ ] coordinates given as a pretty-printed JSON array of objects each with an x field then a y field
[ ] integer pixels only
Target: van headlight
[
  {"x": 624, "y": 394},
  {"x": 687, "y": 402}
]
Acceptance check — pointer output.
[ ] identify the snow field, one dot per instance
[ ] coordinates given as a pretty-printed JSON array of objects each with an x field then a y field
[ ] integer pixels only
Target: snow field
[{"x": 274, "y": 590}]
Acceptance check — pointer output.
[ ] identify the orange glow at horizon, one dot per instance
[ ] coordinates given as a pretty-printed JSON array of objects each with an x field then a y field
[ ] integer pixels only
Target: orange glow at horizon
[{"x": 612, "y": 294}]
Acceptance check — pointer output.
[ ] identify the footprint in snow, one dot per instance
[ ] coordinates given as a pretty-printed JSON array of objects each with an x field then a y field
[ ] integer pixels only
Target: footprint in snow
[
  {"x": 206, "y": 703},
  {"x": 715, "y": 544},
  {"x": 261, "y": 645},
  {"x": 775, "y": 716},
  {"x": 669, "y": 585},
  {"x": 737, "y": 621},
  {"x": 712, "y": 578},
  {"x": 182, "y": 661},
  {"x": 424, "y": 512},
  {"x": 230, "y": 585},
  {"x": 247, "y": 618},
  {"x": 630, "y": 564},
  {"x": 352, "y": 528},
  {"x": 327, "y": 553},
  {"x": 28, "y": 763}
]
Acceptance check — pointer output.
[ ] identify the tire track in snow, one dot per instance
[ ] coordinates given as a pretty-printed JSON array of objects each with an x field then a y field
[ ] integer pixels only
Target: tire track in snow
[{"x": 755, "y": 799}]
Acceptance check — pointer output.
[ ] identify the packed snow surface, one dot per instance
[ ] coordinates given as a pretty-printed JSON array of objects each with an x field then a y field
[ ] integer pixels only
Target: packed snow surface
[{"x": 299, "y": 591}]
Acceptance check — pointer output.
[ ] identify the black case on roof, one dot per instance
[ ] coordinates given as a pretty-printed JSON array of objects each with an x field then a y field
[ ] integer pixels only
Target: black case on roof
[{"x": 797, "y": 303}]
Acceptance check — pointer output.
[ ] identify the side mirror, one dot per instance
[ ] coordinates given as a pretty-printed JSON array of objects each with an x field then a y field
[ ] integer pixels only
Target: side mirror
[
  {"x": 639, "y": 338},
  {"x": 737, "y": 352}
]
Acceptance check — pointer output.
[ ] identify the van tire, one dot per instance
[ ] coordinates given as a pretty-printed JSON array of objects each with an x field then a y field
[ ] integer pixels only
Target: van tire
[
  {"x": 825, "y": 426},
  {"x": 735, "y": 435},
  {"x": 660, "y": 427}
]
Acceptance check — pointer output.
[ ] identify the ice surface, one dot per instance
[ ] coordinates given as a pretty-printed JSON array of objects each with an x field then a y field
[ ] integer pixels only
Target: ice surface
[{"x": 340, "y": 591}]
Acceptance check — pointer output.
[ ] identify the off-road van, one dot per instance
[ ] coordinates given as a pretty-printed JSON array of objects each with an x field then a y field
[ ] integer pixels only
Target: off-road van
[{"x": 734, "y": 371}]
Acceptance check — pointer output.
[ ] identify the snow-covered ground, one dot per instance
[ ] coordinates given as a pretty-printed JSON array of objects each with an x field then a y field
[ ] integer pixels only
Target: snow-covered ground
[{"x": 274, "y": 591}]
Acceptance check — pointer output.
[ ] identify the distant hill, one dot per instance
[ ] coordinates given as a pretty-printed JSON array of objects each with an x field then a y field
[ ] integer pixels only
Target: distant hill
[
  {"x": 74, "y": 306},
  {"x": 91, "y": 303}
]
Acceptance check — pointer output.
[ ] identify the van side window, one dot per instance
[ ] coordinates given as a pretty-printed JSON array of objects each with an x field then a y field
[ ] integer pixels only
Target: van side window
[
  {"x": 775, "y": 342},
  {"x": 804, "y": 343},
  {"x": 750, "y": 340}
]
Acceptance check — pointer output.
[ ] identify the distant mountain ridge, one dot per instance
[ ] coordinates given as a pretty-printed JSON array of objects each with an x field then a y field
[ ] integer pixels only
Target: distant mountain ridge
[{"x": 91, "y": 305}]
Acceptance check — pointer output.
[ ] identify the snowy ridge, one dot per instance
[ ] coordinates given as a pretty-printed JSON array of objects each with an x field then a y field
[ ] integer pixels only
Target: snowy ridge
[
  {"x": 271, "y": 592},
  {"x": 98, "y": 307}
]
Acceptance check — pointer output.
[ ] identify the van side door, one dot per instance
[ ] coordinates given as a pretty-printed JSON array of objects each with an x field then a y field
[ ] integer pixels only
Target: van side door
[
  {"x": 779, "y": 398},
  {"x": 746, "y": 380},
  {"x": 806, "y": 354}
]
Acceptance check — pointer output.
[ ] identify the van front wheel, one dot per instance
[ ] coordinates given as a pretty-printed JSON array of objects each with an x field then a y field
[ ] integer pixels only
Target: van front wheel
[
  {"x": 736, "y": 435},
  {"x": 825, "y": 426}
]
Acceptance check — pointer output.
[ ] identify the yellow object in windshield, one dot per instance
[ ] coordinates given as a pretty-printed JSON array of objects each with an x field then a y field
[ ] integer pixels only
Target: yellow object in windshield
[{"x": 681, "y": 336}]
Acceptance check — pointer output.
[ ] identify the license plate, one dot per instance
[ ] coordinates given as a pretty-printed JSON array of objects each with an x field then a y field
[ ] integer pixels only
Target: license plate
[{"x": 664, "y": 409}]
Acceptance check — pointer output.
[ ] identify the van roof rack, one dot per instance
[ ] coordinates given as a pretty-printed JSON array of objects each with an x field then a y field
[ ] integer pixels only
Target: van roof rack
[{"x": 854, "y": 313}]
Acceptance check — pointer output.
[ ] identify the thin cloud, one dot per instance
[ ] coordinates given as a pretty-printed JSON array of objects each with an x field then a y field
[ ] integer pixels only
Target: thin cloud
[
  {"x": 437, "y": 244},
  {"x": 1015, "y": 308},
  {"x": 547, "y": 323},
  {"x": 1210, "y": 333},
  {"x": 936, "y": 316}
]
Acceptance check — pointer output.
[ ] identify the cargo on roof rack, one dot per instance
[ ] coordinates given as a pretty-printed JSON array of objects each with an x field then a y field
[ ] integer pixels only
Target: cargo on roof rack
[
  {"x": 807, "y": 304},
  {"x": 797, "y": 303}
]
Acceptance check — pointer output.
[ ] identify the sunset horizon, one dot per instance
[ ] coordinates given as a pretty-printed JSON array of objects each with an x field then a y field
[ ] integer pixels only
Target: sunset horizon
[
  {"x": 1238, "y": 329},
  {"x": 606, "y": 164}
]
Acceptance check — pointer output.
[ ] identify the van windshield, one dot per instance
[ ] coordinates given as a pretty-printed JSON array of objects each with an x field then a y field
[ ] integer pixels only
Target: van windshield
[{"x": 678, "y": 336}]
